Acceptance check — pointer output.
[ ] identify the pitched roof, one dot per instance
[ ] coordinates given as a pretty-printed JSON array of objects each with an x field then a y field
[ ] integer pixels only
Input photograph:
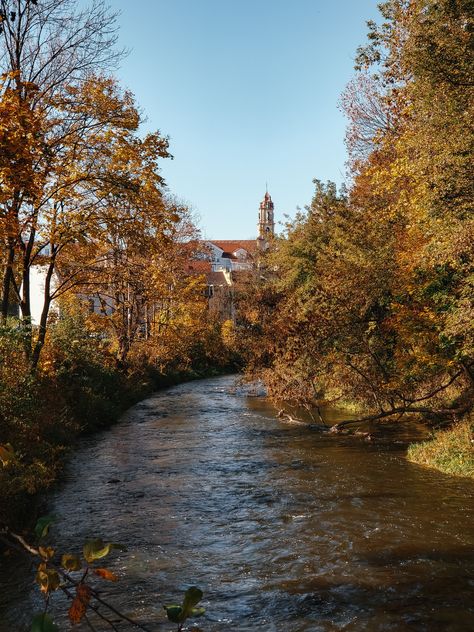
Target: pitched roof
[
  {"x": 229, "y": 246},
  {"x": 198, "y": 266},
  {"x": 217, "y": 278}
]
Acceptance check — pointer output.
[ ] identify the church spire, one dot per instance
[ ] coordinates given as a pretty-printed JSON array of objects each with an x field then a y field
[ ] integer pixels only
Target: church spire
[{"x": 266, "y": 223}]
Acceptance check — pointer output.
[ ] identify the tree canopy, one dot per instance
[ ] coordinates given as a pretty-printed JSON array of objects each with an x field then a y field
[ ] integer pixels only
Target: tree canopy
[{"x": 368, "y": 295}]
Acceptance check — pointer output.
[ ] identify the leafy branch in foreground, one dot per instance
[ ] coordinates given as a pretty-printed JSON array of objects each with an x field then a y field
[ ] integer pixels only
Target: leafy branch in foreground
[
  {"x": 179, "y": 614},
  {"x": 72, "y": 574}
]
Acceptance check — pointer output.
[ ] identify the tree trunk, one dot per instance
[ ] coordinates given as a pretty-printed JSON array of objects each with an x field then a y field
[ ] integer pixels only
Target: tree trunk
[
  {"x": 7, "y": 281},
  {"x": 450, "y": 413},
  {"x": 26, "y": 286},
  {"x": 43, "y": 324},
  {"x": 25, "y": 302}
]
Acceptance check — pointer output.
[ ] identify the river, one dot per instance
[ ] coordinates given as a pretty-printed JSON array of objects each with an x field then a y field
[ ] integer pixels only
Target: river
[{"x": 284, "y": 529}]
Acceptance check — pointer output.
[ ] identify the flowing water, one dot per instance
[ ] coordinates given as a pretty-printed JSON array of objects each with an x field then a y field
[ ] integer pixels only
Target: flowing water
[{"x": 284, "y": 529}]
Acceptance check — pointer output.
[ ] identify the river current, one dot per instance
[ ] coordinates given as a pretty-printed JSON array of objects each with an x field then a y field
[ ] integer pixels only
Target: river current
[{"x": 283, "y": 528}]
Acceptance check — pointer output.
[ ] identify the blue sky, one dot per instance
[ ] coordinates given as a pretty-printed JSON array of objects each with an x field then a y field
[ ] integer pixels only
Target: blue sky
[{"x": 247, "y": 91}]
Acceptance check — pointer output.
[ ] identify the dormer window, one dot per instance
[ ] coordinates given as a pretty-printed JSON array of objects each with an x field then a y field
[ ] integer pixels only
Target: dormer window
[{"x": 240, "y": 253}]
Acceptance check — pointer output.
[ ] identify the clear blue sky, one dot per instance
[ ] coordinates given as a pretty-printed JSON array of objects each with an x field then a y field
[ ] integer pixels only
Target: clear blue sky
[{"x": 247, "y": 91}]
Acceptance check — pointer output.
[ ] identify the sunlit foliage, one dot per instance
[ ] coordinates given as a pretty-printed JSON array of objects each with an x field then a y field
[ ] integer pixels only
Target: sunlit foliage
[{"x": 368, "y": 296}]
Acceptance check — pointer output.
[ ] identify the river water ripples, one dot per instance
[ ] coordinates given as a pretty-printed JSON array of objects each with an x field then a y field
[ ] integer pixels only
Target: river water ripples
[{"x": 284, "y": 529}]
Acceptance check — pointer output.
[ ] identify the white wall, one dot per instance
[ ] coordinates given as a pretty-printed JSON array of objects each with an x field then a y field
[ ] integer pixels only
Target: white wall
[{"x": 37, "y": 279}]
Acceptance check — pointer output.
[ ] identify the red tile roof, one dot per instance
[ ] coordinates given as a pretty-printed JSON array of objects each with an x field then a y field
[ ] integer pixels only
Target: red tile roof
[
  {"x": 229, "y": 246},
  {"x": 198, "y": 266}
]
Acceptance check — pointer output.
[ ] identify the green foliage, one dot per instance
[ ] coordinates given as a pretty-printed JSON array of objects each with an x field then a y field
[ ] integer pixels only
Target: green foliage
[
  {"x": 84, "y": 371},
  {"x": 18, "y": 388},
  {"x": 43, "y": 623},
  {"x": 180, "y": 613},
  {"x": 42, "y": 526},
  {"x": 173, "y": 613},
  {"x": 96, "y": 549}
]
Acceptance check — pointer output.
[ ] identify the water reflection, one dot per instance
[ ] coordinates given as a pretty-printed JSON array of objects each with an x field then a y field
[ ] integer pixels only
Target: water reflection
[{"x": 284, "y": 529}]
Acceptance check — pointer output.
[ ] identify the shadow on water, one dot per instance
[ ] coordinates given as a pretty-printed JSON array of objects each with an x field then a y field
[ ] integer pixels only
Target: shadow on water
[{"x": 283, "y": 528}]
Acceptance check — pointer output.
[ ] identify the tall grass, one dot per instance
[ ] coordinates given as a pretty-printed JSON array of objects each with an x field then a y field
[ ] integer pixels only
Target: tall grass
[{"x": 450, "y": 451}]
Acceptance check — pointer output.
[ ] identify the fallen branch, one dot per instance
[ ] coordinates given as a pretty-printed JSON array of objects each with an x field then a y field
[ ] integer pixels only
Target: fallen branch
[{"x": 402, "y": 410}]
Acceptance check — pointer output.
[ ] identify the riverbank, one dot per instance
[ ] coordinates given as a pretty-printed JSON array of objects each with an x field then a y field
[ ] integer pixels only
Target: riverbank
[
  {"x": 78, "y": 389},
  {"x": 35, "y": 469},
  {"x": 281, "y": 527},
  {"x": 450, "y": 451}
]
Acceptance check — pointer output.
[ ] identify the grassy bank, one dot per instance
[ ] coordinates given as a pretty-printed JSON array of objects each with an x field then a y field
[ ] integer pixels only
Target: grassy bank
[{"x": 450, "y": 451}]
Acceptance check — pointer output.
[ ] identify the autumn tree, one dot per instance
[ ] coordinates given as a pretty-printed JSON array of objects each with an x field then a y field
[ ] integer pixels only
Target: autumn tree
[
  {"x": 367, "y": 107},
  {"x": 20, "y": 151},
  {"x": 427, "y": 47},
  {"x": 371, "y": 300},
  {"x": 56, "y": 217},
  {"x": 176, "y": 326},
  {"x": 46, "y": 48}
]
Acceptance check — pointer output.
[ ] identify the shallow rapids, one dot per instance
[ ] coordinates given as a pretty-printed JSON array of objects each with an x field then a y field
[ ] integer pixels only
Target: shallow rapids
[{"x": 284, "y": 529}]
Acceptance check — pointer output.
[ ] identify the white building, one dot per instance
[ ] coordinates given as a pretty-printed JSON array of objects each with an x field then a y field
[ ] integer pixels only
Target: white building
[{"x": 224, "y": 258}]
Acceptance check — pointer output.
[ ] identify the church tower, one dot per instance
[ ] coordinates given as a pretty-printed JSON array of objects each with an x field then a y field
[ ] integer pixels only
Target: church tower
[{"x": 266, "y": 223}]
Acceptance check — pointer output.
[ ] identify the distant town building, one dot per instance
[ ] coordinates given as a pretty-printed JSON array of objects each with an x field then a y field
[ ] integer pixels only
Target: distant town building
[
  {"x": 220, "y": 261},
  {"x": 224, "y": 259},
  {"x": 266, "y": 221}
]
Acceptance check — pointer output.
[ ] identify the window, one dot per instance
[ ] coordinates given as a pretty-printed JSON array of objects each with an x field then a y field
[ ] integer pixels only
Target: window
[{"x": 209, "y": 291}]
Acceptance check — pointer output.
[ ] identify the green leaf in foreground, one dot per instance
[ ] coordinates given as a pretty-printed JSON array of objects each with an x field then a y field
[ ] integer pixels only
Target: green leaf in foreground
[
  {"x": 192, "y": 597},
  {"x": 96, "y": 549},
  {"x": 43, "y": 623},
  {"x": 179, "y": 614},
  {"x": 173, "y": 612},
  {"x": 42, "y": 526}
]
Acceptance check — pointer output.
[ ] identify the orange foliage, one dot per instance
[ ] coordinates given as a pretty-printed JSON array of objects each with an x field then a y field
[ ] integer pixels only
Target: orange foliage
[{"x": 79, "y": 604}]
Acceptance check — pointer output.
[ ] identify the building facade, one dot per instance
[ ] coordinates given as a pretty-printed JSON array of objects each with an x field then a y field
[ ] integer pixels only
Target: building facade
[{"x": 227, "y": 258}]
